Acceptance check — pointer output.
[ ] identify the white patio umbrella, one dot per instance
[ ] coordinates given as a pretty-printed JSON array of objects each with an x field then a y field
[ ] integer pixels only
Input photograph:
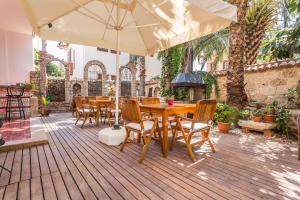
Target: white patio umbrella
[{"x": 140, "y": 27}]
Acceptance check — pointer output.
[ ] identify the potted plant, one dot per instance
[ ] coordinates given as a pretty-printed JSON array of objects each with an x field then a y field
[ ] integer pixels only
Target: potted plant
[
  {"x": 245, "y": 114},
  {"x": 225, "y": 115},
  {"x": 257, "y": 115},
  {"x": 170, "y": 100},
  {"x": 269, "y": 114},
  {"x": 45, "y": 109}
]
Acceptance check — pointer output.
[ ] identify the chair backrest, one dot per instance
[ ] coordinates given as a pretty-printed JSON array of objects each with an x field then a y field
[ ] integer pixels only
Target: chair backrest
[
  {"x": 102, "y": 97},
  {"x": 150, "y": 100},
  {"x": 205, "y": 110},
  {"x": 131, "y": 111},
  {"x": 79, "y": 101}
]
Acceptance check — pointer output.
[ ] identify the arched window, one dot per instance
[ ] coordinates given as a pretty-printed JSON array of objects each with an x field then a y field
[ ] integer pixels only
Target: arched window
[
  {"x": 126, "y": 75},
  {"x": 94, "y": 73}
]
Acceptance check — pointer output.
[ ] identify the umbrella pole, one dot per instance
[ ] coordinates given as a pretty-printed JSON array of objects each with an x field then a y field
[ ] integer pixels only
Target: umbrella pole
[{"x": 117, "y": 126}]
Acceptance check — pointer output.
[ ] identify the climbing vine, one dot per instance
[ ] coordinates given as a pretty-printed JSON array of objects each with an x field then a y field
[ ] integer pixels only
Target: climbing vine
[
  {"x": 171, "y": 64},
  {"x": 211, "y": 83}
]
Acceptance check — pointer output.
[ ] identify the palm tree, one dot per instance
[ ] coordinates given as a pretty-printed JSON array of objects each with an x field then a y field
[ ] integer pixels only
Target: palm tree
[
  {"x": 260, "y": 17},
  {"x": 212, "y": 47},
  {"x": 236, "y": 94}
]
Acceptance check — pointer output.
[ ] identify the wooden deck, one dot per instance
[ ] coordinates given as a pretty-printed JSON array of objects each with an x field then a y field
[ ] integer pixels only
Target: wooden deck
[{"x": 76, "y": 166}]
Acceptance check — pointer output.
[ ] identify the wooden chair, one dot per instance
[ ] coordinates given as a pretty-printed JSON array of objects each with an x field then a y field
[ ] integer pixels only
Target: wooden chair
[
  {"x": 200, "y": 123},
  {"x": 102, "y": 97},
  {"x": 150, "y": 100},
  {"x": 84, "y": 111},
  {"x": 134, "y": 123}
]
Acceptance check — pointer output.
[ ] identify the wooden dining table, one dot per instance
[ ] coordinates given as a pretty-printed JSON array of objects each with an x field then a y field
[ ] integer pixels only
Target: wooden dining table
[
  {"x": 100, "y": 104},
  {"x": 165, "y": 111}
]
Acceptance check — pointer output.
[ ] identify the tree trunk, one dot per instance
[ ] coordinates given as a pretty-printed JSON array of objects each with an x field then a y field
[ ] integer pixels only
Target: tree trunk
[
  {"x": 187, "y": 58},
  {"x": 253, "y": 38},
  {"x": 236, "y": 94},
  {"x": 142, "y": 75}
]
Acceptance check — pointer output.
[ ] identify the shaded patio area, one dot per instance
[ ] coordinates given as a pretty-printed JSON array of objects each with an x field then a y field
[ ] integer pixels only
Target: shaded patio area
[{"x": 75, "y": 165}]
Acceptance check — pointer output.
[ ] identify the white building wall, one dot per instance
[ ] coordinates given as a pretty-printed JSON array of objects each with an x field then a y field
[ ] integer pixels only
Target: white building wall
[
  {"x": 16, "y": 57},
  {"x": 84, "y": 54}
]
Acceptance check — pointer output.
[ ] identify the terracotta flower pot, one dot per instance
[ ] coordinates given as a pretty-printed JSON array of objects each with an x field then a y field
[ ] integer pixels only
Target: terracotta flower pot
[
  {"x": 223, "y": 127},
  {"x": 170, "y": 102},
  {"x": 269, "y": 118},
  {"x": 257, "y": 118}
]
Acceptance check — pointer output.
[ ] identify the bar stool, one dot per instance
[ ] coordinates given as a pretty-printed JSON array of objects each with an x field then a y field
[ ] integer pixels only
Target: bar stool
[{"x": 11, "y": 97}]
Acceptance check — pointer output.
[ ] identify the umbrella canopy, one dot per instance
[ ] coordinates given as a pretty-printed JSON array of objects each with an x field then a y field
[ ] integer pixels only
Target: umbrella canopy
[
  {"x": 138, "y": 27},
  {"x": 146, "y": 26}
]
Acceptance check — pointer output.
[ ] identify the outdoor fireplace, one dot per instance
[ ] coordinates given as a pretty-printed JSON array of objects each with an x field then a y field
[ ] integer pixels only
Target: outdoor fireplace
[{"x": 194, "y": 82}]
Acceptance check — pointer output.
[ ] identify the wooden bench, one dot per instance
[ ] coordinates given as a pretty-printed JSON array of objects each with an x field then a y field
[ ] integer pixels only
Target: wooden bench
[{"x": 266, "y": 128}]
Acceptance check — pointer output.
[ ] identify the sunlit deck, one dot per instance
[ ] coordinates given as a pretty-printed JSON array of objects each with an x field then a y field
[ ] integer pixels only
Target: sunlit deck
[{"x": 76, "y": 166}]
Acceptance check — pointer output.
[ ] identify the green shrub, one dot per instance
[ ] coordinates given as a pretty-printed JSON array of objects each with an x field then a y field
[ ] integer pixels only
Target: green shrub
[{"x": 226, "y": 113}]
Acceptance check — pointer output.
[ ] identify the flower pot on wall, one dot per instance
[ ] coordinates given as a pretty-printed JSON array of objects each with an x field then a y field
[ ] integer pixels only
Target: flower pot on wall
[
  {"x": 269, "y": 118},
  {"x": 223, "y": 127},
  {"x": 257, "y": 118}
]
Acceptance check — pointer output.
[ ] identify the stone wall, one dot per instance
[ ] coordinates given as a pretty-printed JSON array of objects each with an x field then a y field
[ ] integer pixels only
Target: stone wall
[
  {"x": 56, "y": 89},
  {"x": 265, "y": 82},
  {"x": 35, "y": 80}
]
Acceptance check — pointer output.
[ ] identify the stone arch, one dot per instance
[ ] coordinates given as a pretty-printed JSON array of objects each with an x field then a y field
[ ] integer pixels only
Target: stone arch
[
  {"x": 130, "y": 66},
  {"x": 73, "y": 84},
  {"x": 86, "y": 76},
  {"x": 44, "y": 59}
]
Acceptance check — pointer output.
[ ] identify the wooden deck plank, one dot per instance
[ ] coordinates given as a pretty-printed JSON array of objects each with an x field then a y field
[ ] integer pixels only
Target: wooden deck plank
[
  {"x": 26, "y": 170},
  {"x": 59, "y": 186},
  {"x": 43, "y": 161},
  {"x": 36, "y": 189},
  {"x": 48, "y": 188},
  {"x": 2, "y": 190},
  {"x": 8, "y": 164},
  {"x": 24, "y": 190},
  {"x": 17, "y": 167},
  {"x": 34, "y": 163},
  {"x": 11, "y": 192}
]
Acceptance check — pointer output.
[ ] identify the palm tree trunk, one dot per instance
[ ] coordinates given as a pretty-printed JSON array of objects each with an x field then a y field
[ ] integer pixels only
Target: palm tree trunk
[
  {"x": 236, "y": 94},
  {"x": 142, "y": 75}
]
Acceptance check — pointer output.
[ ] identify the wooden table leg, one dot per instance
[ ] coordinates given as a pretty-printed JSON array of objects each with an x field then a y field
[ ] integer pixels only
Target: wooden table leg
[{"x": 165, "y": 134}]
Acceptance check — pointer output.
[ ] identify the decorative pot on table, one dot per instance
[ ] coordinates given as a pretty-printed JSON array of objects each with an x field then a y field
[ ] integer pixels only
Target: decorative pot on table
[{"x": 170, "y": 102}]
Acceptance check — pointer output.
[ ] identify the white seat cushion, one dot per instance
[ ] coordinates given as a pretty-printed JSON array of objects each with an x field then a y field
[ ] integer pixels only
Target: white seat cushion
[
  {"x": 147, "y": 125},
  {"x": 197, "y": 126},
  {"x": 86, "y": 110}
]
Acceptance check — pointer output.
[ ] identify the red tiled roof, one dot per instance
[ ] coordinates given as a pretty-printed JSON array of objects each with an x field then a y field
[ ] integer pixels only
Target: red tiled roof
[{"x": 265, "y": 66}]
